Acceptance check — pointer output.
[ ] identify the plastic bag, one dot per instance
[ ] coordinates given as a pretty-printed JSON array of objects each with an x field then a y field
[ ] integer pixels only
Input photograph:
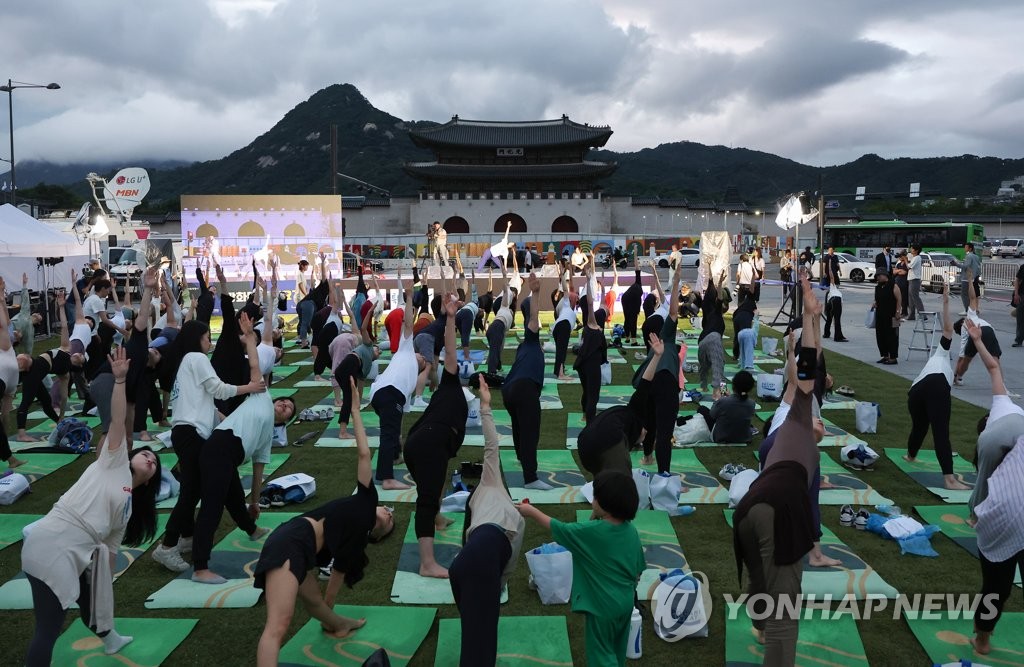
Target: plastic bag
[
  {"x": 869, "y": 319},
  {"x": 867, "y": 417},
  {"x": 693, "y": 431},
  {"x": 769, "y": 385},
  {"x": 606, "y": 373},
  {"x": 642, "y": 479},
  {"x": 551, "y": 571},
  {"x": 473, "y": 414},
  {"x": 739, "y": 485},
  {"x": 678, "y": 606},
  {"x": 665, "y": 487},
  {"x": 769, "y": 345}
]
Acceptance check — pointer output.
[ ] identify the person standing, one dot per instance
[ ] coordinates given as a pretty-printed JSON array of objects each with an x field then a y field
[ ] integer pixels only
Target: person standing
[
  {"x": 914, "y": 275},
  {"x": 440, "y": 245},
  {"x": 807, "y": 259},
  {"x": 883, "y": 260},
  {"x": 744, "y": 278},
  {"x": 786, "y": 272},
  {"x": 830, "y": 268},
  {"x": 970, "y": 271},
  {"x": 899, "y": 273},
  {"x": 887, "y": 311},
  {"x": 757, "y": 261},
  {"x": 1018, "y": 303}
]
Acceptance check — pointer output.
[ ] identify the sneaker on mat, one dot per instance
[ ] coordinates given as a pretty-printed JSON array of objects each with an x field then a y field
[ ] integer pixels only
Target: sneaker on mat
[
  {"x": 170, "y": 558},
  {"x": 184, "y": 545},
  {"x": 846, "y": 515},
  {"x": 730, "y": 470},
  {"x": 861, "y": 521}
]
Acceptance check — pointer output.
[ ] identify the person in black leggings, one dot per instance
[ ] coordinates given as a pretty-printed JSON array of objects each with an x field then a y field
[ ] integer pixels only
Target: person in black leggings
[
  {"x": 929, "y": 403},
  {"x": 436, "y": 437},
  {"x": 593, "y": 351},
  {"x": 631, "y": 300},
  {"x": 564, "y": 302},
  {"x": 56, "y": 362},
  {"x": 354, "y": 366},
  {"x": 663, "y": 410},
  {"x": 521, "y": 394}
]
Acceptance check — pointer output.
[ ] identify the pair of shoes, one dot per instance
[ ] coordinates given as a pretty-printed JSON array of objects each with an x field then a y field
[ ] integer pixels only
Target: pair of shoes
[
  {"x": 890, "y": 362},
  {"x": 276, "y": 498},
  {"x": 846, "y": 515},
  {"x": 958, "y": 381},
  {"x": 170, "y": 558},
  {"x": 845, "y": 391},
  {"x": 639, "y": 356},
  {"x": 841, "y": 340},
  {"x": 418, "y": 402},
  {"x": 730, "y": 470},
  {"x": 827, "y": 334},
  {"x": 861, "y": 520},
  {"x": 1016, "y": 345}
]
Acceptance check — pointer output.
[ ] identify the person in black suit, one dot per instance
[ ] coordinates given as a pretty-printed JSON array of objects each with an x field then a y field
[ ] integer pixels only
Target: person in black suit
[
  {"x": 883, "y": 261},
  {"x": 830, "y": 268}
]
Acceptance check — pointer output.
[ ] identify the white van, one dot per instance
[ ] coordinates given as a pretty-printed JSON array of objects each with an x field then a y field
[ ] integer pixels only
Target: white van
[{"x": 1010, "y": 248}]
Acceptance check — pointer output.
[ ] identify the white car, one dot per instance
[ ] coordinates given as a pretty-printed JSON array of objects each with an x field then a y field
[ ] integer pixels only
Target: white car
[
  {"x": 691, "y": 257},
  {"x": 852, "y": 269},
  {"x": 936, "y": 267}
]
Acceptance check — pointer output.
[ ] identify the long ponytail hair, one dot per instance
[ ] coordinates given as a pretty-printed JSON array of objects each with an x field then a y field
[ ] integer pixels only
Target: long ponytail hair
[{"x": 142, "y": 522}]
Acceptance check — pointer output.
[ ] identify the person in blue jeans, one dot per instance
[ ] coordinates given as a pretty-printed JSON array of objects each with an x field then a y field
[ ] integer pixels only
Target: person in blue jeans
[
  {"x": 312, "y": 302},
  {"x": 745, "y": 324}
]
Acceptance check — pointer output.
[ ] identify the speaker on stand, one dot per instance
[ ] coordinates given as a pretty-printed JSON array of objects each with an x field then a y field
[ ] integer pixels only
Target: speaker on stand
[{"x": 49, "y": 302}]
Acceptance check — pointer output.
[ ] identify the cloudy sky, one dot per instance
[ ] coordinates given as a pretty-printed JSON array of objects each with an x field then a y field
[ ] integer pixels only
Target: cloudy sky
[{"x": 821, "y": 82}]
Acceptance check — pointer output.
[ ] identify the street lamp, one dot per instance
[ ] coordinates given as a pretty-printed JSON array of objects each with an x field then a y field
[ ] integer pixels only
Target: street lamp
[{"x": 9, "y": 89}]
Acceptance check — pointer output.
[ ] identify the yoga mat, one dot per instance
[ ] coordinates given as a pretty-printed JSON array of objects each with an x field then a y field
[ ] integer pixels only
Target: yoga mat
[
  {"x": 849, "y": 489},
  {"x": 612, "y": 395},
  {"x": 168, "y": 459},
  {"x": 475, "y": 356},
  {"x": 282, "y": 392},
  {"x": 523, "y": 641},
  {"x": 555, "y": 467},
  {"x": 409, "y": 587},
  {"x": 837, "y": 402},
  {"x": 702, "y": 487},
  {"x": 48, "y": 425},
  {"x": 946, "y": 637},
  {"x": 323, "y": 383},
  {"x": 401, "y": 474},
  {"x": 16, "y": 593},
  {"x": 926, "y": 472},
  {"x": 549, "y": 360},
  {"x": 11, "y": 526},
  {"x": 549, "y": 399},
  {"x": 662, "y": 552},
  {"x": 835, "y": 436},
  {"x": 953, "y": 522},
  {"x": 154, "y": 641},
  {"x": 233, "y": 558},
  {"x": 281, "y": 372},
  {"x": 852, "y": 577},
  {"x": 833, "y": 641},
  {"x": 38, "y": 466},
  {"x": 310, "y": 646}
]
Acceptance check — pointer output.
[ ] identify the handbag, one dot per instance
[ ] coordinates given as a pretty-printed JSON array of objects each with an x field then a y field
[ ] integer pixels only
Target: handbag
[
  {"x": 665, "y": 487},
  {"x": 551, "y": 572},
  {"x": 869, "y": 319}
]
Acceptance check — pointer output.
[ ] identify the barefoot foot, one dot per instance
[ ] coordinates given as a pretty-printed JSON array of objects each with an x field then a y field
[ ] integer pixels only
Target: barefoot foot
[
  {"x": 821, "y": 560},
  {"x": 435, "y": 571},
  {"x": 394, "y": 485},
  {"x": 981, "y": 643},
  {"x": 954, "y": 484}
]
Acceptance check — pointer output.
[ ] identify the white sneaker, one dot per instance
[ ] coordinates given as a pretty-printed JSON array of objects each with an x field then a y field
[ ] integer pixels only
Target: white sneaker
[
  {"x": 170, "y": 558},
  {"x": 184, "y": 545},
  {"x": 418, "y": 402}
]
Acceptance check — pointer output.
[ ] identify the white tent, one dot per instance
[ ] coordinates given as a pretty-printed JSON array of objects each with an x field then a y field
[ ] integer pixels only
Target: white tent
[{"x": 23, "y": 239}]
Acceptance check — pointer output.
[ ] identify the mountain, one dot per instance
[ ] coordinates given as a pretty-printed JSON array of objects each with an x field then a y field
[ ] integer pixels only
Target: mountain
[{"x": 294, "y": 157}]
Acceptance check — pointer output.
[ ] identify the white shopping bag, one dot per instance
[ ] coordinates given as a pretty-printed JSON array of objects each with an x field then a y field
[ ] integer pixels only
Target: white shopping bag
[
  {"x": 769, "y": 345},
  {"x": 642, "y": 479},
  {"x": 693, "y": 431},
  {"x": 739, "y": 485},
  {"x": 769, "y": 385},
  {"x": 551, "y": 574},
  {"x": 606, "y": 373},
  {"x": 867, "y": 417},
  {"x": 665, "y": 487}
]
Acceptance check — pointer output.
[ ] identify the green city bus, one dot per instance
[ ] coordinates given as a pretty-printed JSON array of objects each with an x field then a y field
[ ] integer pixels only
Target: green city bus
[{"x": 866, "y": 239}]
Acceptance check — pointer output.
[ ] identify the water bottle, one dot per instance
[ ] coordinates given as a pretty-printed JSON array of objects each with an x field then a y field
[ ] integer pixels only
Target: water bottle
[
  {"x": 634, "y": 649},
  {"x": 457, "y": 481},
  {"x": 685, "y": 510}
]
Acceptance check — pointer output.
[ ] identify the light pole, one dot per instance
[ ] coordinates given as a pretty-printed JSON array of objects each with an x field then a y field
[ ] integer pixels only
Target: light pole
[{"x": 9, "y": 89}]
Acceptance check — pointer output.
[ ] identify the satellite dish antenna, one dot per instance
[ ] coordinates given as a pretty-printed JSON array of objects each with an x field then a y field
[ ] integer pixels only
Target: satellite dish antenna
[{"x": 126, "y": 190}]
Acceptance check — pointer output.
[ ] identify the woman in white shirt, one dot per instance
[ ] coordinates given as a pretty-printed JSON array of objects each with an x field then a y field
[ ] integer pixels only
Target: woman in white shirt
[
  {"x": 113, "y": 503},
  {"x": 564, "y": 302},
  {"x": 8, "y": 379},
  {"x": 196, "y": 385},
  {"x": 744, "y": 277},
  {"x": 757, "y": 262}
]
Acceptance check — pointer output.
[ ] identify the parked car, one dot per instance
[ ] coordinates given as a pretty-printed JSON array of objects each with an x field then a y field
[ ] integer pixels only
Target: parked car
[
  {"x": 1010, "y": 248},
  {"x": 936, "y": 267},
  {"x": 691, "y": 257},
  {"x": 852, "y": 268}
]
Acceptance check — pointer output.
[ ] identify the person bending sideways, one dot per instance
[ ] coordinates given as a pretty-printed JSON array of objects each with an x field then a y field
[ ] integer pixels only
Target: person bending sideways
[{"x": 334, "y": 534}]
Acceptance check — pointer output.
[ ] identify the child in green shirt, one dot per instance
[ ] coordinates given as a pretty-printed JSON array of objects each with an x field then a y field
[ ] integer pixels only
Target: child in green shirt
[{"x": 607, "y": 560}]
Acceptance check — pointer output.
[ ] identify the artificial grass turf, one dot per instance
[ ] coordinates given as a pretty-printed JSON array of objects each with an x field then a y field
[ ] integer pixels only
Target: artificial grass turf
[{"x": 704, "y": 537}]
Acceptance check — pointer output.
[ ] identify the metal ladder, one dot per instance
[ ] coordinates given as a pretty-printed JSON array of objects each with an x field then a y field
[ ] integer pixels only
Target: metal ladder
[{"x": 924, "y": 326}]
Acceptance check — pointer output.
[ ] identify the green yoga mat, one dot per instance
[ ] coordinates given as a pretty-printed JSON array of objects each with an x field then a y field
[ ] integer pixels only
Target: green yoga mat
[
  {"x": 549, "y": 399},
  {"x": 38, "y": 466},
  {"x": 612, "y": 395},
  {"x": 953, "y": 522},
  {"x": 409, "y": 587},
  {"x": 837, "y": 402},
  {"x": 848, "y": 488},
  {"x": 168, "y": 459},
  {"x": 662, "y": 552},
  {"x": 852, "y": 577},
  {"x": 555, "y": 467},
  {"x": 946, "y": 637},
  {"x": 154, "y": 641},
  {"x": 11, "y": 526},
  {"x": 282, "y": 372},
  {"x": 16, "y": 593},
  {"x": 523, "y": 641},
  {"x": 926, "y": 472},
  {"x": 282, "y": 392},
  {"x": 48, "y": 425},
  {"x": 835, "y": 436},
  {"x": 833, "y": 641},
  {"x": 702, "y": 487},
  {"x": 474, "y": 434},
  {"x": 310, "y": 646},
  {"x": 401, "y": 474},
  {"x": 233, "y": 558}
]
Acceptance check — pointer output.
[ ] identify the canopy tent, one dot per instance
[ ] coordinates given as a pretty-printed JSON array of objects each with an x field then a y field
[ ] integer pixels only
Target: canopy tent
[{"x": 23, "y": 239}]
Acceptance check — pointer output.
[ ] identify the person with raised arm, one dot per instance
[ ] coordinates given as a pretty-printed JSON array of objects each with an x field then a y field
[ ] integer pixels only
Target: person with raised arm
[
  {"x": 655, "y": 320},
  {"x": 593, "y": 350},
  {"x": 314, "y": 300},
  {"x": 499, "y": 326},
  {"x": 497, "y": 253},
  {"x": 968, "y": 349},
  {"x": 631, "y": 304},
  {"x": 196, "y": 387},
  {"x": 710, "y": 350},
  {"x": 485, "y": 301},
  {"x": 53, "y": 362},
  {"x": 491, "y": 543},
  {"x": 8, "y": 379},
  {"x": 22, "y": 326},
  {"x": 355, "y": 363},
  {"x": 664, "y": 408},
  {"x": 521, "y": 394},
  {"x": 564, "y": 300},
  {"x": 141, "y": 389},
  {"x": 929, "y": 403},
  {"x": 69, "y": 554},
  {"x": 773, "y": 526},
  {"x": 390, "y": 393},
  {"x": 432, "y": 440},
  {"x": 335, "y": 534}
]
